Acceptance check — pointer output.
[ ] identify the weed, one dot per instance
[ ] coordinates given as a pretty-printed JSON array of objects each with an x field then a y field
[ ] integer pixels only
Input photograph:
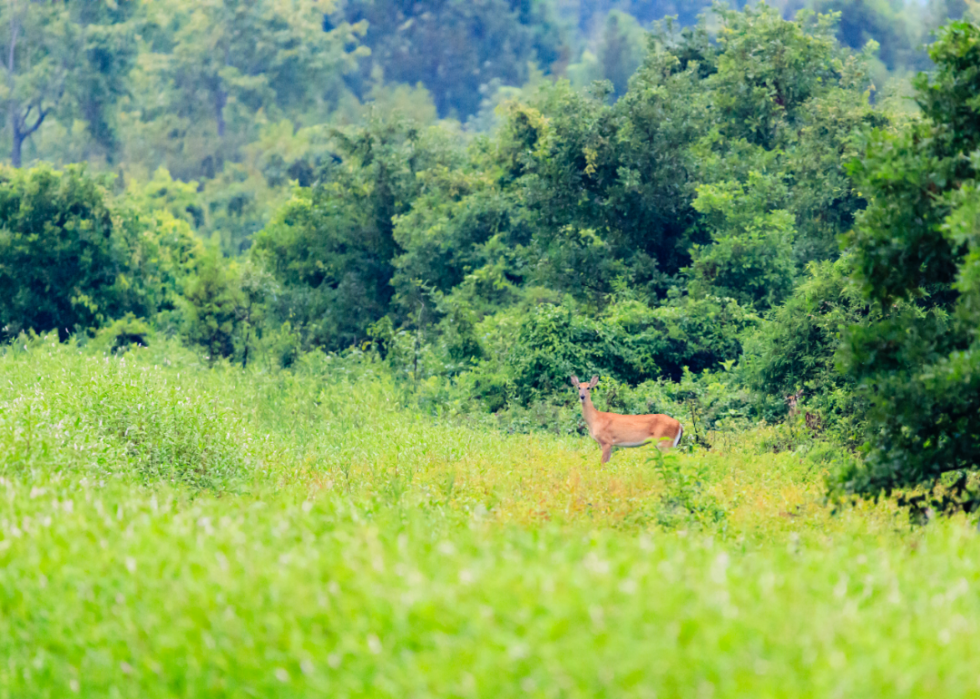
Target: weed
[{"x": 685, "y": 499}]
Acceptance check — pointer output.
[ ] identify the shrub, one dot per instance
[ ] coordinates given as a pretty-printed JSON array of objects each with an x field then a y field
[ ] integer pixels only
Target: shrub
[
  {"x": 917, "y": 256},
  {"x": 72, "y": 259},
  {"x": 630, "y": 342},
  {"x": 796, "y": 348}
]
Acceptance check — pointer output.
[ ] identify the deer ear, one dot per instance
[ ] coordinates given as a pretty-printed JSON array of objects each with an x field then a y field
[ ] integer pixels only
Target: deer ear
[
  {"x": 574, "y": 381},
  {"x": 593, "y": 382}
]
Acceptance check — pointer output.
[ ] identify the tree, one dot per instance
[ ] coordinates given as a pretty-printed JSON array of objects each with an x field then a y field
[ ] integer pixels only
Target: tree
[
  {"x": 107, "y": 38},
  {"x": 256, "y": 287},
  {"x": 880, "y": 21},
  {"x": 72, "y": 259},
  {"x": 213, "y": 306},
  {"x": 797, "y": 347},
  {"x": 704, "y": 219},
  {"x": 37, "y": 44},
  {"x": 65, "y": 61},
  {"x": 768, "y": 69},
  {"x": 218, "y": 63},
  {"x": 621, "y": 49},
  {"x": 456, "y": 47},
  {"x": 917, "y": 258},
  {"x": 750, "y": 257},
  {"x": 686, "y": 11},
  {"x": 608, "y": 188},
  {"x": 57, "y": 267},
  {"x": 158, "y": 254},
  {"x": 332, "y": 246},
  {"x": 464, "y": 236},
  {"x": 785, "y": 101}
]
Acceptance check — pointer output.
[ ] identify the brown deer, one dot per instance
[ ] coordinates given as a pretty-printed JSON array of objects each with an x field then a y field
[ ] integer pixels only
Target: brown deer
[
  {"x": 612, "y": 430},
  {"x": 792, "y": 401}
]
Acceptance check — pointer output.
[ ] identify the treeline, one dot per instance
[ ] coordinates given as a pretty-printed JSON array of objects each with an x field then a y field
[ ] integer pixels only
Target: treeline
[
  {"x": 239, "y": 97},
  {"x": 683, "y": 241}
]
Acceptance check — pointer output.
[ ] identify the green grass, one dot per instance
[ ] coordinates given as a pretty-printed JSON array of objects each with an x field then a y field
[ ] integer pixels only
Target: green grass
[{"x": 170, "y": 530}]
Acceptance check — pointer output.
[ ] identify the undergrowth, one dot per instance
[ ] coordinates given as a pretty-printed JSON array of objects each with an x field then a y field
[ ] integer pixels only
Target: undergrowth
[{"x": 169, "y": 529}]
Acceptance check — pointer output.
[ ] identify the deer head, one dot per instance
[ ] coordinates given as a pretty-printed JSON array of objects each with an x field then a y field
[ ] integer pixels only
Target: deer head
[
  {"x": 584, "y": 388},
  {"x": 792, "y": 400}
]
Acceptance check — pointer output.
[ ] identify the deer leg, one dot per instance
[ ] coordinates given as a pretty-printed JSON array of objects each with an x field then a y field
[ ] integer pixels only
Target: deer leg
[{"x": 606, "y": 452}]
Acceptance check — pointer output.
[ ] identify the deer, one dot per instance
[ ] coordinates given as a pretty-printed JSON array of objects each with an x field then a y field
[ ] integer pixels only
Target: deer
[
  {"x": 614, "y": 430},
  {"x": 792, "y": 400}
]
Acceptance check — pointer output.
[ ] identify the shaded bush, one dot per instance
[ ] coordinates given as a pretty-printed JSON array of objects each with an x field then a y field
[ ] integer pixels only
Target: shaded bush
[
  {"x": 72, "y": 259},
  {"x": 630, "y": 342}
]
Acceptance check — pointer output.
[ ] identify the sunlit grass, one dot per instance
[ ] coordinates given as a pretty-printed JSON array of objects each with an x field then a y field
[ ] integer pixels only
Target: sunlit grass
[{"x": 170, "y": 530}]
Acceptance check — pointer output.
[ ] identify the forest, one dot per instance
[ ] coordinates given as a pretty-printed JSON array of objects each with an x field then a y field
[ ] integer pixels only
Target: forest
[
  {"x": 304, "y": 282},
  {"x": 671, "y": 208}
]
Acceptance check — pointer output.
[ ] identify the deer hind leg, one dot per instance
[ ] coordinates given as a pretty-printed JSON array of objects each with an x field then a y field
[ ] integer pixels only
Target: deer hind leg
[
  {"x": 665, "y": 444},
  {"x": 606, "y": 452}
]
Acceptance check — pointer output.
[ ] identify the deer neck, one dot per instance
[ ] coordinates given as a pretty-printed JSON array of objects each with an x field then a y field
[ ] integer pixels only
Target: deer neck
[{"x": 589, "y": 413}]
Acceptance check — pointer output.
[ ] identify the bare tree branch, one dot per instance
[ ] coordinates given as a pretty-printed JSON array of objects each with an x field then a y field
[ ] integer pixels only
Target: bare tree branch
[{"x": 40, "y": 118}]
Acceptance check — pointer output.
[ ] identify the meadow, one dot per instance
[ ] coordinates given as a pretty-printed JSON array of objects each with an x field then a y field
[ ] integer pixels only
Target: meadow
[{"x": 168, "y": 529}]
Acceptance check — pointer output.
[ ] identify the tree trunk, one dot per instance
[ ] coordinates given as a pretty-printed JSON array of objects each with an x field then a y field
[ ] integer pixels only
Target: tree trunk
[
  {"x": 220, "y": 99},
  {"x": 248, "y": 337},
  {"x": 17, "y": 137},
  {"x": 13, "y": 109},
  {"x": 20, "y": 130}
]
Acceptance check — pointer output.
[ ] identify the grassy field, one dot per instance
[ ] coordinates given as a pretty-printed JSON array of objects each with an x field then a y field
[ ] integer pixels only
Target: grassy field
[{"x": 169, "y": 530}]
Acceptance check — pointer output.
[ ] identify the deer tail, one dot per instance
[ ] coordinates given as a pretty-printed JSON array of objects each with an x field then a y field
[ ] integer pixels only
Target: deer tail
[{"x": 680, "y": 433}]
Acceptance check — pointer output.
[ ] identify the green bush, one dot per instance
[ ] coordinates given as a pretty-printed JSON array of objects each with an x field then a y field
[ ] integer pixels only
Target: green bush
[
  {"x": 73, "y": 259},
  {"x": 629, "y": 342},
  {"x": 121, "y": 335},
  {"x": 797, "y": 348},
  {"x": 685, "y": 500},
  {"x": 750, "y": 257},
  {"x": 213, "y": 304},
  {"x": 916, "y": 255}
]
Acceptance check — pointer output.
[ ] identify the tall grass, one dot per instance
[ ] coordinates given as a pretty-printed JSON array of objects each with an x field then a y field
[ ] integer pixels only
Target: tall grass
[{"x": 172, "y": 530}]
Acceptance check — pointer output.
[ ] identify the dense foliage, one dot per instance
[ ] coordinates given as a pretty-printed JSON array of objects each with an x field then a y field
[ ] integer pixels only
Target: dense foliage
[
  {"x": 71, "y": 259},
  {"x": 556, "y": 191},
  {"x": 916, "y": 258},
  {"x": 657, "y": 227}
]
